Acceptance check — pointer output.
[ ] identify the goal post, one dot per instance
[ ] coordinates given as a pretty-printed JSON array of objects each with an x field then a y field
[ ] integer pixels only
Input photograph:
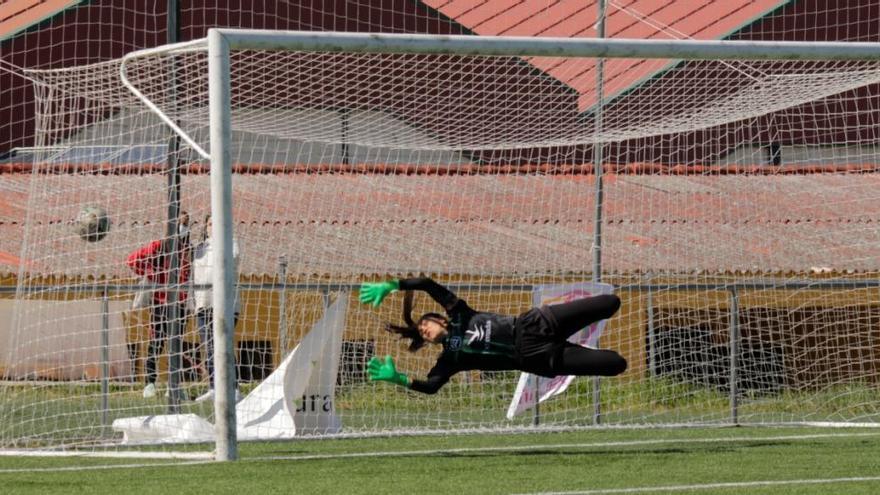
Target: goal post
[
  {"x": 737, "y": 225},
  {"x": 223, "y": 277},
  {"x": 222, "y": 41}
]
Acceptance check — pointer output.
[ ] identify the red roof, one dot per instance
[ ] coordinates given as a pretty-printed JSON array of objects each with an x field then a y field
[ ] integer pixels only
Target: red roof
[
  {"x": 342, "y": 224},
  {"x": 69, "y": 39},
  {"x": 9, "y": 260},
  {"x": 18, "y": 15},
  {"x": 639, "y": 19},
  {"x": 346, "y": 225}
]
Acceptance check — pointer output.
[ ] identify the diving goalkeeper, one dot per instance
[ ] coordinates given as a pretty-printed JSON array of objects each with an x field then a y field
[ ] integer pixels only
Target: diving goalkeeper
[{"x": 535, "y": 341}]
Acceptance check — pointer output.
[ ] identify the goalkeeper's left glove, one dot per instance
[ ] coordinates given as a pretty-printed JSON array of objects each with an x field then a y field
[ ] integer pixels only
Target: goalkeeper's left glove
[
  {"x": 385, "y": 371},
  {"x": 374, "y": 293}
]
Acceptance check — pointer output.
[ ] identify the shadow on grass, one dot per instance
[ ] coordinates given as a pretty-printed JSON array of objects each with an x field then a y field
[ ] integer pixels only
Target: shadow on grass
[{"x": 526, "y": 451}]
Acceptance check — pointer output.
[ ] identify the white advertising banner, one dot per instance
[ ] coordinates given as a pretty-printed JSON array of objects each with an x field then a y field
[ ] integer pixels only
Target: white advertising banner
[
  {"x": 534, "y": 389},
  {"x": 296, "y": 399}
]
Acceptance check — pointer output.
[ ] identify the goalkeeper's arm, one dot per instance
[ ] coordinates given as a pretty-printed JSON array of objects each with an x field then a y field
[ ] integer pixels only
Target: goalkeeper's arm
[
  {"x": 384, "y": 370},
  {"x": 439, "y": 293},
  {"x": 374, "y": 293}
]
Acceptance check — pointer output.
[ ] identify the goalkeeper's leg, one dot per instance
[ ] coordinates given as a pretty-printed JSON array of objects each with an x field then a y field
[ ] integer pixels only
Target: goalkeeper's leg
[
  {"x": 568, "y": 318},
  {"x": 573, "y": 359}
]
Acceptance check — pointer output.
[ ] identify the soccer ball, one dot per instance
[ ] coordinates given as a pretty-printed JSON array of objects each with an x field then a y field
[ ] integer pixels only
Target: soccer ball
[{"x": 92, "y": 223}]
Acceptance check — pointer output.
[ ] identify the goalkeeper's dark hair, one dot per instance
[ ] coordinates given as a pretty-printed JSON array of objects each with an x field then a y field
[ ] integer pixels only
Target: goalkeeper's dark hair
[{"x": 411, "y": 330}]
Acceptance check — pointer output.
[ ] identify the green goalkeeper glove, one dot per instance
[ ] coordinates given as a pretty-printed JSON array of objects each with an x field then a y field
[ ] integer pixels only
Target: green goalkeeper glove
[
  {"x": 380, "y": 370},
  {"x": 373, "y": 293}
]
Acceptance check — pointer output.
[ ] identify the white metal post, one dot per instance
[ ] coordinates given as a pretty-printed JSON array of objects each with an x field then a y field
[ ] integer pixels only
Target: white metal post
[
  {"x": 734, "y": 347},
  {"x": 105, "y": 358},
  {"x": 221, "y": 235},
  {"x": 315, "y": 41},
  {"x": 599, "y": 191}
]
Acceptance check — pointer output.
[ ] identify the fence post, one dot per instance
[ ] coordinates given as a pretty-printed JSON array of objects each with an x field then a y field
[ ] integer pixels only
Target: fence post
[
  {"x": 652, "y": 335},
  {"x": 282, "y": 306},
  {"x": 734, "y": 355},
  {"x": 598, "y": 166},
  {"x": 105, "y": 357},
  {"x": 536, "y": 411}
]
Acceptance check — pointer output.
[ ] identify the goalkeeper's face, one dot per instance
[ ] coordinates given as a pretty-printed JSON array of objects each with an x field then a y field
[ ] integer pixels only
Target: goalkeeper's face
[{"x": 432, "y": 330}]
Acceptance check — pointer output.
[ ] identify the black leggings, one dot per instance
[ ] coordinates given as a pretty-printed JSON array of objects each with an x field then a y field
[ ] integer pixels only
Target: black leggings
[
  {"x": 160, "y": 328},
  {"x": 205, "y": 322},
  {"x": 573, "y": 359},
  {"x": 567, "y": 318},
  {"x": 551, "y": 354}
]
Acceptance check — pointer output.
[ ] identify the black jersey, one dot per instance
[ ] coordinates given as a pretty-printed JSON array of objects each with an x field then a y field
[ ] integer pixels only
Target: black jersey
[
  {"x": 472, "y": 332},
  {"x": 475, "y": 340}
]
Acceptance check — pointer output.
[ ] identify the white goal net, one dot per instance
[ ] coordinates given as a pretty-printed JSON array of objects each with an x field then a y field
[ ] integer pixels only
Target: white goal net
[{"x": 731, "y": 204}]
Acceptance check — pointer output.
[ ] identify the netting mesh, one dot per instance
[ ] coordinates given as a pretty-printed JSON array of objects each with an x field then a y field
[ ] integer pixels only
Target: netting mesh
[
  {"x": 732, "y": 192},
  {"x": 483, "y": 103}
]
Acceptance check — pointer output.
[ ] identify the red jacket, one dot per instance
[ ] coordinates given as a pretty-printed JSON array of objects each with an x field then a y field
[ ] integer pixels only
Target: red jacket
[{"x": 149, "y": 262}]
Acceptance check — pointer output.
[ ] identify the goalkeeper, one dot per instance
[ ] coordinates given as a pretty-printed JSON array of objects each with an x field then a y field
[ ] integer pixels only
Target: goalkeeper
[{"x": 535, "y": 341}]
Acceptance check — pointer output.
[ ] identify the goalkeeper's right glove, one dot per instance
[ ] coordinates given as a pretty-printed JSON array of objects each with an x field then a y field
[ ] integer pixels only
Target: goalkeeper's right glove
[
  {"x": 374, "y": 293},
  {"x": 385, "y": 371}
]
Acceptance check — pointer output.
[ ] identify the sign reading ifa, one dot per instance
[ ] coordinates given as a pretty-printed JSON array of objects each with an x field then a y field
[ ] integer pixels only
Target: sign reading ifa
[{"x": 314, "y": 403}]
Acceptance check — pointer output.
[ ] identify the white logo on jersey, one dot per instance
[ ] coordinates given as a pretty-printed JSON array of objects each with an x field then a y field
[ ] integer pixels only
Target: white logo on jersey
[{"x": 480, "y": 333}]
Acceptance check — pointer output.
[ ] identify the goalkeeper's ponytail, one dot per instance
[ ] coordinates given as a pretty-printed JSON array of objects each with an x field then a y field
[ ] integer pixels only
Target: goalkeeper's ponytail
[{"x": 411, "y": 330}]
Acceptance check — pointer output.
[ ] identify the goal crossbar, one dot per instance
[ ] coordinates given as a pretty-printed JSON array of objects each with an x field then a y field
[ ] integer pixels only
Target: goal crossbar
[{"x": 545, "y": 47}]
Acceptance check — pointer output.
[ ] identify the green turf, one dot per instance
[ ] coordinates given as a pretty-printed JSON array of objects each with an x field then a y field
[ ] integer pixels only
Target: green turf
[
  {"x": 583, "y": 460},
  {"x": 50, "y": 414},
  {"x": 488, "y": 464}
]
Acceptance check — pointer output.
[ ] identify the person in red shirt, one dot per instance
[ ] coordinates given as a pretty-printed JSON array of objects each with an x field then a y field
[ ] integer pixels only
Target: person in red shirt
[{"x": 154, "y": 262}]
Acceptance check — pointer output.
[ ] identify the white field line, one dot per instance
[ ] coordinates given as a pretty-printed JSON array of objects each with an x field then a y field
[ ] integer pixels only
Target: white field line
[
  {"x": 101, "y": 468},
  {"x": 128, "y": 454},
  {"x": 710, "y": 486},
  {"x": 432, "y": 452}
]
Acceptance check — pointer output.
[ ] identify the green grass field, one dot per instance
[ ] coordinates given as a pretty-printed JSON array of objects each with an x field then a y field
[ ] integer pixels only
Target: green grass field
[
  {"x": 607, "y": 460},
  {"x": 753, "y": 460},
  {"x": 47, "y": 414}
]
